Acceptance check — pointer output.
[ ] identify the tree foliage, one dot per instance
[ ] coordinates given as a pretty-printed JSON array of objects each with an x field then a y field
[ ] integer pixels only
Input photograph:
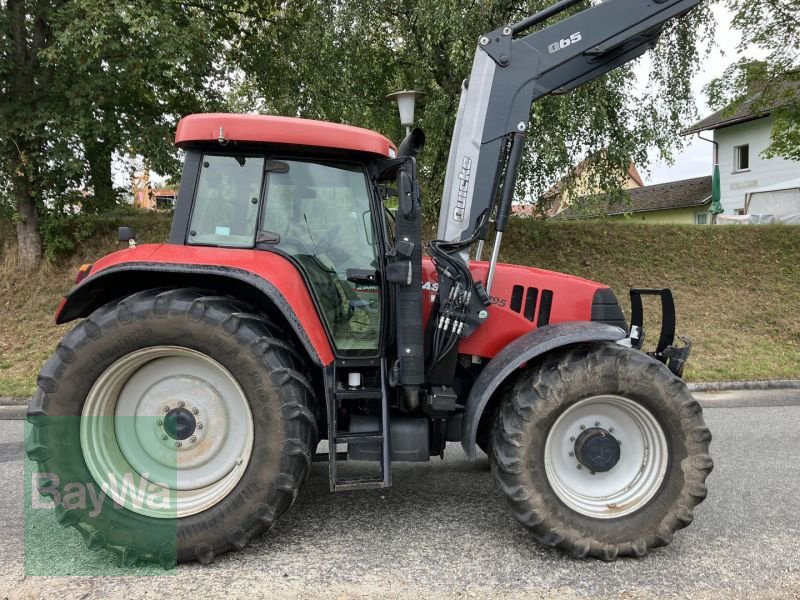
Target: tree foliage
[
  {"x": 338, "y": 61},
  {"x": 81, "y": 80},
  {"x": 773, "y": 82}
]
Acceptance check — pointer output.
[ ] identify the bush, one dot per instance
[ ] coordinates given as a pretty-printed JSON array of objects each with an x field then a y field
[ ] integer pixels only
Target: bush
[{"x": 63, "y": 235}]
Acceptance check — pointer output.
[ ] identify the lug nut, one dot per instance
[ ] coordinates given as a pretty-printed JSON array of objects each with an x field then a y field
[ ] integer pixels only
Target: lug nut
[
  {"x": 166, "y": 409},
  {"x": 199, "y": 425},
  {"x": 193, "y": 439},
  {"x": 597, "y": 423},
  {"x": 610, "y": 430},
  {"x": 572, "y": 454},
  {"x": 159, "y": 422},
  {"x": 178, "y": 444},
  {"x": 164, "y": 436},
  {"x": 195, "y": 411},
  {"x": 181, "y": 403},
  {"x": 572, "y": 438},
  {"x": 583, "y": 427},
  {"x": 592, "y": 472},
  {"x": 578, "y": 467}
]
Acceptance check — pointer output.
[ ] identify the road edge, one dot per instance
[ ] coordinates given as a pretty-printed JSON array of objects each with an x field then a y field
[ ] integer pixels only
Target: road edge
[{"x": 754, "y": 385}]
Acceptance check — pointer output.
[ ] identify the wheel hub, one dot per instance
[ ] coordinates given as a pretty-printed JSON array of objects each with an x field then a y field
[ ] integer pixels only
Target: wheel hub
[
  {"x": 172, "y": 422},
  {"x": 584, "y": 463},
  {"x": 597, "y": 450},
  {"x": 179, "y": 424}
]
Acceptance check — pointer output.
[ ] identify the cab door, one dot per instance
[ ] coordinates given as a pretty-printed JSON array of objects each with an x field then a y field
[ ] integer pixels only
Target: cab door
[{"x": 319, "y": 213}]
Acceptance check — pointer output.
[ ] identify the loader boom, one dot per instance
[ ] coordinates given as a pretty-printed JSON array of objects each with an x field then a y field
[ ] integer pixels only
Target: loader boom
[{"x": 510, "y": 73}]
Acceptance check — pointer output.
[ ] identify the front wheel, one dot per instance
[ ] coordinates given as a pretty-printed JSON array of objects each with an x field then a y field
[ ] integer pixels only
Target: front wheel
[{"x": 601, "y": 451}]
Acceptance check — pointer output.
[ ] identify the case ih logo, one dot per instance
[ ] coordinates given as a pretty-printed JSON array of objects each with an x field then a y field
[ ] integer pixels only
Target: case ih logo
[{"x": 366, "y": 289}]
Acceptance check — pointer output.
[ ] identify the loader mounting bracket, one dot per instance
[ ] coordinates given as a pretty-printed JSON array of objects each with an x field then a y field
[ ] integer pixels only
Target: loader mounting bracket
[{"x": 674, "y": 357}]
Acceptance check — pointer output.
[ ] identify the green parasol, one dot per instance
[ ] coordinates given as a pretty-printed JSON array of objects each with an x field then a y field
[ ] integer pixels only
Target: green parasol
[{"x": 716, "y": 204}]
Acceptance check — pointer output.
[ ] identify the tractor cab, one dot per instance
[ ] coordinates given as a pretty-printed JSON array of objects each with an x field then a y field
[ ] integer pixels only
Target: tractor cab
[{"x": 255, "y": 182}]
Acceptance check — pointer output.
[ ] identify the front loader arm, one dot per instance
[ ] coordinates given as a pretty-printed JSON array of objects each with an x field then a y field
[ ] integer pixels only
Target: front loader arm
[{"x": 510, "y": 73}]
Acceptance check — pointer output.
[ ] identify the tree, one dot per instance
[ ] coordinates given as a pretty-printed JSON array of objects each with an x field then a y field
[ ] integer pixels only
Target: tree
[
  {"x": 24, "y": 84},
  {"x": 81, "y": 80},
  {"x": 338, "y": 61},
  {"x": 772, "y": 83},
  {"x": 134, "y": 68}
]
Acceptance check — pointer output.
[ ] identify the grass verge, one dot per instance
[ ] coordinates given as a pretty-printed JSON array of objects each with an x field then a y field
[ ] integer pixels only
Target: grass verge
[
  {"x": 737, "y": 289},
  {"x": 28, "y": 302}
]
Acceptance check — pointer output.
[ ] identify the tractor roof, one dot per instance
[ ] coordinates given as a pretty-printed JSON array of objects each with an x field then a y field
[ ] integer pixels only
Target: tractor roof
[{"x": 264, "y": 129}]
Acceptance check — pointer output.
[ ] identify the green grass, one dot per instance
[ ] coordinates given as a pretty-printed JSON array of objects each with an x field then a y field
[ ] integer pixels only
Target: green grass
[
  {"x": 28, "y": 302},
  {"x": 737, "y": 289}
]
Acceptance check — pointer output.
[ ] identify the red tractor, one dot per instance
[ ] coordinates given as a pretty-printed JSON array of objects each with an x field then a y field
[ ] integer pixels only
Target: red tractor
[{"x": 292, "y": 304}]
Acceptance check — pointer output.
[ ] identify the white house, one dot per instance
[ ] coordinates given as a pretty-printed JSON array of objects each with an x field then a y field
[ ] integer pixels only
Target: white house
[{"x": 749, "y": 183}]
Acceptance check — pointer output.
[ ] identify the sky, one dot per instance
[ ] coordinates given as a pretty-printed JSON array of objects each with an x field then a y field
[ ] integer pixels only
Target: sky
[{"x": 695, "y": 159}]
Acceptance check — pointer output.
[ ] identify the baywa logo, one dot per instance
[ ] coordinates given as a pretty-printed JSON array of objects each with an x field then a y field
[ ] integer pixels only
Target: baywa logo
[
  {"x": 126, "y": 490},
  {"x": 82, "y": 519}
]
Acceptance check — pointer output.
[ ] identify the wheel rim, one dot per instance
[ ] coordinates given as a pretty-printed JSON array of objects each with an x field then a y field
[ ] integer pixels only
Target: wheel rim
[
  {"x": 626, "y": 486},
  {"x": 166, "y": 432}
]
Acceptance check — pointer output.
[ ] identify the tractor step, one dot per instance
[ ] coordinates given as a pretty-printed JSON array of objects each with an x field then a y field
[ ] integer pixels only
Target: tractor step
[
  {"x": 359, "y": 436},
  {"x": 325, "y": 457},
  {"x": 378, "y": 438},
  {"x": 359, "y": 483},
  {"x": 366, "y": 394}
]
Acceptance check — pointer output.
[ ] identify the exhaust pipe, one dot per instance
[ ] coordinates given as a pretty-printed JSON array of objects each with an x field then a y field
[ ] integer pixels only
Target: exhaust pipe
[{"x": 413, "y": 144}]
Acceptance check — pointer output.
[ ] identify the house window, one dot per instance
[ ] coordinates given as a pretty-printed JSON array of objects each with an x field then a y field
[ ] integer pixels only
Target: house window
[
  {"x": 741, "y": 157},
  {"x": 701, "y": 218}
]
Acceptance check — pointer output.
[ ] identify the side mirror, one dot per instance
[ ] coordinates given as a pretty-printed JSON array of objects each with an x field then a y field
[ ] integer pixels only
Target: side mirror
[
  {"x": 127, "y": 234},
  {"x": 362, "y": 276}
]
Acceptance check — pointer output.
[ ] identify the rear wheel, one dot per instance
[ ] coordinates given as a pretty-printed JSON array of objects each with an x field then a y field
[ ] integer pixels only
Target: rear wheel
[
  {"x": 601, "y": 451},
  {"x": 189, "y": 411}
]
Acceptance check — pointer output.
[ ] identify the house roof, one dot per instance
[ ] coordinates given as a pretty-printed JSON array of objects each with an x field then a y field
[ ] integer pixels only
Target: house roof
[
  {"x": 559, "y": 186},
  {"x": 685, "y": 193},
  {"x": 633, "y": 173},
  {"x": 763, "y": 97},
  {"x": 748, "y": 110}
]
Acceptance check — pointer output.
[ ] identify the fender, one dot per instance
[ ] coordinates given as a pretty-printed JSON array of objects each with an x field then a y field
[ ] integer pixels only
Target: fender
[
  {"x": 260, "y": 277},
  {"x": 524, "y": 349}
]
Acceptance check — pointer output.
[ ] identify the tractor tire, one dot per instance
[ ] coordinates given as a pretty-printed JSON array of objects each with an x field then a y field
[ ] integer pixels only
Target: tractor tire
[
  {"x": 207, "y": 399},
  {"x": 601, "y": 451}
]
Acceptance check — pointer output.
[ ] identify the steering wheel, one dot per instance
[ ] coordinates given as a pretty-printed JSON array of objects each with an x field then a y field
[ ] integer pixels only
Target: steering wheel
[
  {"x": 330, "y": 236},
  {"x": 328, "y": 245}
]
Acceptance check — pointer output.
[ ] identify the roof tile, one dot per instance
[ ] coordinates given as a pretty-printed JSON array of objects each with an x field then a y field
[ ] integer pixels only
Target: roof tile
[{"x": 674, "y": 194}]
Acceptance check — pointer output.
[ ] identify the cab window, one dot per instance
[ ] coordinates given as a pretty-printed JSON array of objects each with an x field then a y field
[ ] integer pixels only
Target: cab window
[
  {"x": 319, "y": 213},
  {"x": 226, "y": 202}
]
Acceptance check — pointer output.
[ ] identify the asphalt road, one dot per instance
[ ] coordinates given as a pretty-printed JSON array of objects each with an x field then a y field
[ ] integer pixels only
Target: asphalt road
[{"x": 443, "y": 531}]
